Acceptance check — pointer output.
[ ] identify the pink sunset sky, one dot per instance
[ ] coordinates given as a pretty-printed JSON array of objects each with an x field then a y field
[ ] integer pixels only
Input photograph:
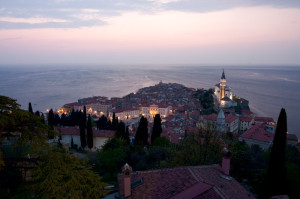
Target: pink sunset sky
[{"x": 149, "y": 32}]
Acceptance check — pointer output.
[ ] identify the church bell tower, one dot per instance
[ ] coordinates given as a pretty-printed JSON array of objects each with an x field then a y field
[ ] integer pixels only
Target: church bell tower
[{"x": 222, "y": 86}]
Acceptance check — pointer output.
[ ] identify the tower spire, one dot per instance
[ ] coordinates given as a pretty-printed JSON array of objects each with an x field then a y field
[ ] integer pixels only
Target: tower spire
[{"x": 223, "y": 75}]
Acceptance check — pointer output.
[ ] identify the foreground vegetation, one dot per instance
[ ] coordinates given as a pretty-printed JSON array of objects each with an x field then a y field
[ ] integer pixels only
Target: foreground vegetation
[{"x": 51, "y": 171}]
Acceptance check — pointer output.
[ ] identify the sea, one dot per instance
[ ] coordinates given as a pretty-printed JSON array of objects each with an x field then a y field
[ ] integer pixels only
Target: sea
[{"x": 268, "y": 88}]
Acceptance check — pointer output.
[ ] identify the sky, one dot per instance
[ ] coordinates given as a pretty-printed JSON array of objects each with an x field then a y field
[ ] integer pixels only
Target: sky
[{"x": 195, "y": 32}]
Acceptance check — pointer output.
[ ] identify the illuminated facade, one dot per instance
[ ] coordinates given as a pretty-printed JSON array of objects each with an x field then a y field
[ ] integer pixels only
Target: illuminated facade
[
  {"x": 152, "y": 110},
  {"x": 223, "y": 93},
  {"x": 125, "y": 114}
]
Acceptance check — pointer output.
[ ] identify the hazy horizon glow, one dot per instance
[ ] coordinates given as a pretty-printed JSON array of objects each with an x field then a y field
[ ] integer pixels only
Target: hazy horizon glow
[{"x": 241, "y": 34}]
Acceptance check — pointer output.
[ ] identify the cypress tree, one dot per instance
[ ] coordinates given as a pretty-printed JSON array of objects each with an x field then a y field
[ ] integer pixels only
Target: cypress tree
[
  {"x": 102, "y": 122},
  {"x": 89, "y": 133},
  {"x": 156, "y": 130},
  {"x": 37, "y": 113},
  {"x": 114, "y": 122},
  {"x": 51, "y": 118},
  {"x": 30, "y": 108},
  {"x": 276, "y": 182},
  {"x": 72, "y": 143},
  {"x": 127, "y": 135},
  {"x": 84, "y": 118},
  {"x": 56, "y": 119},
  {"x": 141, "y": 136},
  {"x": 43, "y": 118},
  {"x": 121, "y": 130},
  {"x": 82, "y": 133},
  {"x": 63, "y": 120}
]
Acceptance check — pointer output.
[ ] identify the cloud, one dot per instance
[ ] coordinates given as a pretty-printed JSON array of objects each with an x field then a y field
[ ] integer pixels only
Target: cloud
[{"x": 34, "y": 20}]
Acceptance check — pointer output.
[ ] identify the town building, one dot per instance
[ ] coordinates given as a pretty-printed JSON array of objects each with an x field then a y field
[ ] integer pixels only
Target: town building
[
  {"x": 124, "y": 114},
  {"x": 245, "y": 123},
  {"x": 258, "y": 134},
  {"x": 70, "y": 133},
  {"x": 221, "y": 122}
]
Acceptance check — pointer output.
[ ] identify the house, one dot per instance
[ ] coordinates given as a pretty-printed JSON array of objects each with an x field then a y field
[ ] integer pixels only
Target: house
[
  {"x": 72, "y": 132},
  {"x": 208, "y": 181},
  {"x": 259, "y": 135},
  {"x": 245, "y": 123}
]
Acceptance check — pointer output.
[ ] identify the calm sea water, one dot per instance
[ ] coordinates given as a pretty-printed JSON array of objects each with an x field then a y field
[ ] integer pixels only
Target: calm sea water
[{"x": 267, "y": 88}]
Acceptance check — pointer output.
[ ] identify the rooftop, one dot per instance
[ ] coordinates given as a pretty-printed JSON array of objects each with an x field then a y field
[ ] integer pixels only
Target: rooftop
[
  {"x": 258, "y": 132},
  {"x": 185, "y": 182}
]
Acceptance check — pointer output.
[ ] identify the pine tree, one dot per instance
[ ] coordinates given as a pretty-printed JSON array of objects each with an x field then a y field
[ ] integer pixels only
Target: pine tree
[
  {"x": 82, "y": 133},
  {"x": 276, "y": 182},
  {"x": 156, "y": 130},
  {"x": 141, "y": 136},
  {"x": 89, "y": 133},
  {"x": 30, "y": 108}
]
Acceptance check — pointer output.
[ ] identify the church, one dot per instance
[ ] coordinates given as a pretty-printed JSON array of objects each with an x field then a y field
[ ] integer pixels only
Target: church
[{"x": 223, "y": 93}]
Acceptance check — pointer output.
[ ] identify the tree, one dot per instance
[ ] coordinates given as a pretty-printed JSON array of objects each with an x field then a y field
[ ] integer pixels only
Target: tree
[
  {"x": 51, "y": 118},
  {"x": 60, "y": 175},
  {"x": 156, "y": 130},
  {"x": 120, "y": 130},
  {"x": 276, "y": 182},
  {"x": 56, "y": 119},
  {"x": 72, "y": 143},
  {"x": 84, "y": 114},
  {"x": 63, "y": 120},
  {"x": 102, "y": 122},
  {"x": 89, "y": 133},
  {"x": 114, "y": 122},
  {"x": 82, "y": 132},
  {"x": 126, "y": 138},
  {"x": 43, "y": 118},
  {"x": 37, "y": 113},
  {"x": 141, "y": 136},
  {"x": 30, "y": 127},
  {"x": 30, "y": 108}
]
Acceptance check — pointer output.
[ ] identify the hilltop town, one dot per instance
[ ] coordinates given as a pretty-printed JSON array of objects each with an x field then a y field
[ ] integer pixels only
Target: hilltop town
[{"x": 184, "y": 110}]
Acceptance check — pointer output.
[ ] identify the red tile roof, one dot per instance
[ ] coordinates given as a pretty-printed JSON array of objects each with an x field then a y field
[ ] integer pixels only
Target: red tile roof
[
  {"x": 258, "y": 132},
  {"x": 245, "y": 119},
  {"x": 231, "y": 118},
  {"x": 263, "y": 119},
  {"x": 212, "y": 117},
  {"x": 185, "y": 182}
]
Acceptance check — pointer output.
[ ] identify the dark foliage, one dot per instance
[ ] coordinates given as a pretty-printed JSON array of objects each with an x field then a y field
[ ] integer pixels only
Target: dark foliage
[
  {"x": 51, "y": 118},
  {"x": 156, "y": 130},
  {"x": 276, "y": 182},
  {"x": 141, "y": 136},
  {"x": 102, "y": 123},
  {"x": 30, "y": 108},
  {"x": 37, "y": 113},
  {"x": 89, "y": 133},
  {"x": 82, "y": 131}
]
